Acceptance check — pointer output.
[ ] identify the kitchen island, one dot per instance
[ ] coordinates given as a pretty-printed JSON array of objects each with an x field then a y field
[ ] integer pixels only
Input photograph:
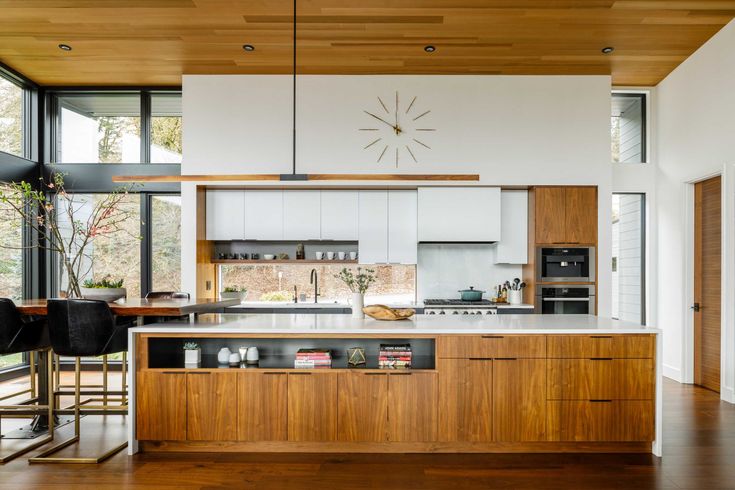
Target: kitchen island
[{"x": 495, "y": 383}]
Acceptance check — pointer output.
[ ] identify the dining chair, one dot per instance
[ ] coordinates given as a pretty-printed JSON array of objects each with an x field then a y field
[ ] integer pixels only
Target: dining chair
[
  {"x": 17, "y": 336},
  {"x": 83, "y": 328}
]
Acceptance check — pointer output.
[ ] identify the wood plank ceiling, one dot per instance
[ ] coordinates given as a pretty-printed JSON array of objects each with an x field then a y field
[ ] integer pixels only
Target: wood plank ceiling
[{"x": 154, "y": 42}]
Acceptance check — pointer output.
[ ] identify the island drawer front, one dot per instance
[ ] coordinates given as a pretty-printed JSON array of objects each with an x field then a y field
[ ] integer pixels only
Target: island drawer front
[
  {"x": 491, "y": 346},
  {"x": 600, "y": 379},
  {"x": 601, "y": 420},
  {"x": 161, "y": 406},
  {"x": 588, "y": 346}
]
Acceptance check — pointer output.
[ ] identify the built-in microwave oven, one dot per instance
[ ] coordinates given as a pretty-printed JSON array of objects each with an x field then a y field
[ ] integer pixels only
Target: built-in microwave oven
[
  {"x": 565, "y": 300},
  {"x": 565, "y": 264}
]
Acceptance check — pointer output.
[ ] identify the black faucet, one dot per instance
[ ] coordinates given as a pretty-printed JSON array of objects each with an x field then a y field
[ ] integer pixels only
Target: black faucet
[{"x": 314, "y": 279}]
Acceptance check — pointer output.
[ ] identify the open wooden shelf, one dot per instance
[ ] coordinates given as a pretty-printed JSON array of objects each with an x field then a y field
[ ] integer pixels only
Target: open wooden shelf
[{"x": 280, "y": 261}]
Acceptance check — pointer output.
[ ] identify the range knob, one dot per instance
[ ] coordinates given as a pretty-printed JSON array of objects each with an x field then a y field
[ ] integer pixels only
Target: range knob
[
  {"x": 465, "y": 313},
  {"x": 455, "y": 313},
  {"x": 442, "y": 312},
  {"x": 431, "y": 312}
]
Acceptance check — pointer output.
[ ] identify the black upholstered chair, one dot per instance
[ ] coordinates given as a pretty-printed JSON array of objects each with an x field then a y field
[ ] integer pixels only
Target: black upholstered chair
[
  {"x": 167, "y": 295},
  {"x": 82, "y": 328},
  {"x": 17, "y": 336}
]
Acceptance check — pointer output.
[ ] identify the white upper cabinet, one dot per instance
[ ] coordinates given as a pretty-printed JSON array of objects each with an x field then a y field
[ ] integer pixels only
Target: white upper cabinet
[
  {"x": 459, "y": 214},
  {"x": 402, "y": 227},
  {"x": 339, "y": 215},
  {"x": 513, "y": 245},
  {"x": 372, "y": 228},
  {"x": 225, "y": 215},
  {"x": 263, "y": 215},
  {"x": 301, "y": 215}
]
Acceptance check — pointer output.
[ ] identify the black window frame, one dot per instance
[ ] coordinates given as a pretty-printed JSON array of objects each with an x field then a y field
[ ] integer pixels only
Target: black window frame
[
  {"x": 144, "y": 94},
  {"x": 643, "y": 96}
]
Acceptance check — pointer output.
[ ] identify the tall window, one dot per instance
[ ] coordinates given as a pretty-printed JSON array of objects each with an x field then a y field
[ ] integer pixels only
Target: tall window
[
  {"x": 628, "y": 128},
  {"x": 11, "y": 264},
  {"x": 165, "y": 243},
  {"x": 11, "y": 118},
  {"x": 628, "y": 263},
  {"x": 118, "y": 127},
  {"x": 116, "y": 255}
]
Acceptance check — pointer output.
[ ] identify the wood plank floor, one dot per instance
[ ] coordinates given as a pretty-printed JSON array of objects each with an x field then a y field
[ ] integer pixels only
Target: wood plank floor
[{"x": 699, "y": 453}]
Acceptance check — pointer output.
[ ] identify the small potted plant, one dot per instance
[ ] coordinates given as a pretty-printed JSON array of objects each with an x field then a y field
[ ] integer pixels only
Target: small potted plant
[
  {"x": 105, "y": 290},
  {"x": 192, "y": 354},
  {"x": 358, "y": 284},
  {"x": 235, "y": 292}
]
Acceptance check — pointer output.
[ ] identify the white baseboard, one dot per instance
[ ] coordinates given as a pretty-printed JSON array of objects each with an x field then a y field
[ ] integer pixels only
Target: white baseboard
[
  {"x": 727, "y": 395},
  {"x": 672, "y": 373}
]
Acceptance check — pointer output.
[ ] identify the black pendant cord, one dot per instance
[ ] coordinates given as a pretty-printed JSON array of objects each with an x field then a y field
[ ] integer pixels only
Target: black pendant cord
[{"x": 294, "y": 88}]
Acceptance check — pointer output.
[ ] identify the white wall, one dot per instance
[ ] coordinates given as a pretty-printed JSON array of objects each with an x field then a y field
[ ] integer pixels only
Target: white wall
[
  {"x": 695, "y": 138},
  {"x": 521, "y": 130}
]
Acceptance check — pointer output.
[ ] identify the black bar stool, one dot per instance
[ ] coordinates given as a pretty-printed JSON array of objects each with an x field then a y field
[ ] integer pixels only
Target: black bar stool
[
  {"x": 17, "y": 336},
  {"x": 83, "y": 328}
]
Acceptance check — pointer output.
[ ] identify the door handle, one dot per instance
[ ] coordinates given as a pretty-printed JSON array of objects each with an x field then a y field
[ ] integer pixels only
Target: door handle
[{"x": 696, "y": 307}]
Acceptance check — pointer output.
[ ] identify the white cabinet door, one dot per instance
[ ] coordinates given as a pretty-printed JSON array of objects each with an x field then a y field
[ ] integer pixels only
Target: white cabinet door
[
  {"x": 263, "y": 215},
  {"x": 402, "y": 234},
  {"x": 373, "y": 227},
  {"x": 459, "y": 214},
  {"x": 225, "y": 215},
  {"x": 339, "y": 210},
  {"x": 513, "y": 245},
  {"x": 301, "y": 215}
]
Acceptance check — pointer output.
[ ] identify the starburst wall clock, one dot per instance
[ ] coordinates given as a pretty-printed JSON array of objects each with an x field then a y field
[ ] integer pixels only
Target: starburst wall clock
[{"x": 398, "y": 131}]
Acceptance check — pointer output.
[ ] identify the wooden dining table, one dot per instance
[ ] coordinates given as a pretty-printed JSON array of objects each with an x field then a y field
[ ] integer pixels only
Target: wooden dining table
[
  {"x": 142, "y": 307},
  {"x": 135, "y": 307}
]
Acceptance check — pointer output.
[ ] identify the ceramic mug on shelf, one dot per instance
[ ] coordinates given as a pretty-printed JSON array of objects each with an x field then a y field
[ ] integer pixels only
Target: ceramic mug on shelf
[
  {"x": 341, "y": 255},
  {"x": 319, "y": 255},
  {"x": 330, "y": 255}
]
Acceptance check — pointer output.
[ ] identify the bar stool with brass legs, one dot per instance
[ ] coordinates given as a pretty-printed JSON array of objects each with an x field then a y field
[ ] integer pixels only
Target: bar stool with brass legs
[
  {"x": 17, "y": 336},
  {"x": 83, "y": 328}
]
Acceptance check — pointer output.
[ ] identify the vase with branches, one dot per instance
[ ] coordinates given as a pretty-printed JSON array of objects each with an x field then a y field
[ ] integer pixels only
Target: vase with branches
[
  {"x": 358, "y": 283},
  {"x": 66, "y": 224}
]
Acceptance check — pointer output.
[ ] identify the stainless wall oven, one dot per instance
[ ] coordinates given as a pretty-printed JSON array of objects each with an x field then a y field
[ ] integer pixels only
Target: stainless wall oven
[
  {"x": 564, "y": 264},
  {"x": 565, "y": 300}
]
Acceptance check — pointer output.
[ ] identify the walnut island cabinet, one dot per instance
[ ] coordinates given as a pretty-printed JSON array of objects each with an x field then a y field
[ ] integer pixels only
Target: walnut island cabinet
[{"x": 521, "y": 384}]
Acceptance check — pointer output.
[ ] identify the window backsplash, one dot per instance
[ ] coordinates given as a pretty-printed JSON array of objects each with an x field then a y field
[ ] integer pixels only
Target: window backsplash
[{"x": 275, "y": 282}]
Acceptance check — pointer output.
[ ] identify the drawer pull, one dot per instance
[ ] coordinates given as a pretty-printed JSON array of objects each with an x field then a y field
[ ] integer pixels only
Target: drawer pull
[
  {"x": 600, "y": 336},
  {"x": 600, "y": 401},
  {"x": 401, "y": 374},
  {"x": 172, "y": 372},
  {"x": 480, "y": 358},
  {"x": 493, "y": 336},
  {"x": 601, "y": 358},
  {"x": 505, "y": 358},
  {"x": 275, "y": 372}
]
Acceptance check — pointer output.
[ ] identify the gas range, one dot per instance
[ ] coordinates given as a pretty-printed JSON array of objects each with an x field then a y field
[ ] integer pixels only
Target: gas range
[{"x": 459, "y": 307}]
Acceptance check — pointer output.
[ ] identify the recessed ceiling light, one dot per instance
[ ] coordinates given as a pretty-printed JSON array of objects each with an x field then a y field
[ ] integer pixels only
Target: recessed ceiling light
[
  {"x": 429, "y": 48},
  {"x": 608, "y": 50},
  {"x": 248, "y": 47},
  {"x": 65, "y": 47}
]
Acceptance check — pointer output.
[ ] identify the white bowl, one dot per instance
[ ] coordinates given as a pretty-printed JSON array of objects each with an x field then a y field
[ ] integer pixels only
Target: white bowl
[
  {"x": 104, "y": 294},
  {"x": 269, "y": 256}
]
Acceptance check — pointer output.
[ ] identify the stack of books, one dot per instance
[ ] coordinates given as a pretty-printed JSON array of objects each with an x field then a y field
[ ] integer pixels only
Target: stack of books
[
  {"x": 312, "y": 359},
  {"x": 394, "y": 356}
]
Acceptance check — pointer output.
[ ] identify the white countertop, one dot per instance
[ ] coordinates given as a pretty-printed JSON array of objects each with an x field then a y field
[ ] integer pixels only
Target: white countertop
[
  {"x": 419, "y": 324},
  {"x": 291, "y": 305}
]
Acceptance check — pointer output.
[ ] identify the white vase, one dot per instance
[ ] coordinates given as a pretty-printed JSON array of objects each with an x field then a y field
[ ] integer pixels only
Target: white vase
[
  {"x": 223, "y": 356},
  {"x": 358, "y": 301},
  {"x": 515, "y": 297}
]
